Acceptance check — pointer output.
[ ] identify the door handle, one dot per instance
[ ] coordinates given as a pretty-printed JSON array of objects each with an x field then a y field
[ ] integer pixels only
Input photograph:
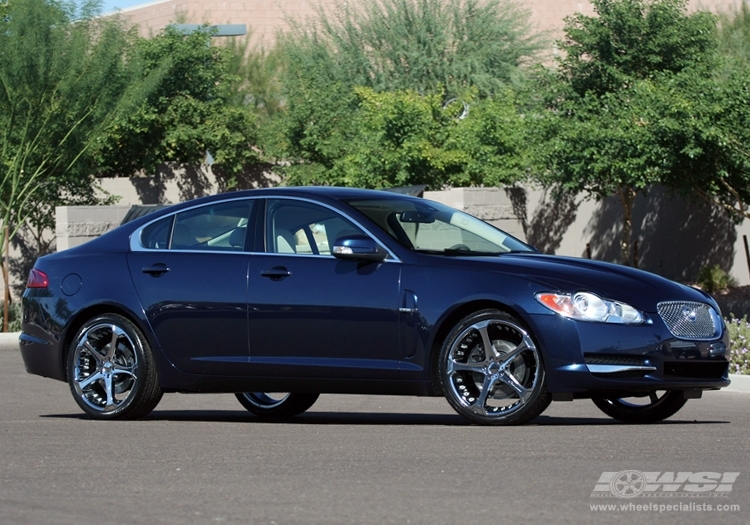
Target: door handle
[
  {"x": 156, "y": 269},
  {"x": 276, "y": 273}
]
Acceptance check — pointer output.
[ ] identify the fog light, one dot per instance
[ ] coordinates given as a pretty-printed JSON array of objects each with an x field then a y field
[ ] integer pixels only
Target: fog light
[{"x": 717, "y": 349}]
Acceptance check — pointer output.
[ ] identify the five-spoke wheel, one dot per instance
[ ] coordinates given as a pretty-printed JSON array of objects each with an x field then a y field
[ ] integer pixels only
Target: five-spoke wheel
[
  {"x": 276, "y": 404},
  {"x": 491, "y": 370},
  {"x": 646, "y": 408},
  {"x": 110, "y": 368}
]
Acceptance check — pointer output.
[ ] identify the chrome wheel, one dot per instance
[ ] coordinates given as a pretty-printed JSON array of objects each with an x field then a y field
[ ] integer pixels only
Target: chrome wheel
[
  {"x": 276, "y": 404},
  {"x": 648, "y": 407},
  {"x": 110, "y": 370},
  {"x": 491, "y": 370}
]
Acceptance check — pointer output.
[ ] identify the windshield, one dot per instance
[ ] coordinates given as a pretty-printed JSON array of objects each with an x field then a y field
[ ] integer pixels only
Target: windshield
[{"x": 431, "y": 227}]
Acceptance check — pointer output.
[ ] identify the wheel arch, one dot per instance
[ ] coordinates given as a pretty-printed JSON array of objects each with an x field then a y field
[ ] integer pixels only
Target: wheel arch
[
  {"x": 89, "y": 313},
  {"x": 449, "y": 322}
]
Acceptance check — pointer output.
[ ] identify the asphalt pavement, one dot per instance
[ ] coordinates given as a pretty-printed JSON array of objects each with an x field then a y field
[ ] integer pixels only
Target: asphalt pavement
[{"x": 202, "y": 459}]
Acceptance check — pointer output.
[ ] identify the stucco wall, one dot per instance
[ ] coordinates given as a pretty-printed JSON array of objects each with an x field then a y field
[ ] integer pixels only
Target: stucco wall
[{"x": 264, "y": 17}]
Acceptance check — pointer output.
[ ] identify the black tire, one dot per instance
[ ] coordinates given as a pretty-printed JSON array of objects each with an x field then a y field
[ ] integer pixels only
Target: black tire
[
  {"x": 111, "y": 370},
  {"x": 512, "y": 374},
  {"x": 654, "y": 408},
  {"x": 276, "y": 404}
]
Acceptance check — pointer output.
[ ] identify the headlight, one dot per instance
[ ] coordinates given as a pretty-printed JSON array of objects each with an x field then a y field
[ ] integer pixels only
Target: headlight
[{"x": 586, "y": 306}]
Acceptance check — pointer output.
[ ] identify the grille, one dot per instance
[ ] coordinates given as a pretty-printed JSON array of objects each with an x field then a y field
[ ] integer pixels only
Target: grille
[
  {"x": 716, "y": 370},
  {"x": 689, "y": 320}
]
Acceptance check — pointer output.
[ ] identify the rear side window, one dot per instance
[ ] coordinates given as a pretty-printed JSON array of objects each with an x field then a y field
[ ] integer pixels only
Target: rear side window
[
  {"x": 156, "y": 235},
  {"x": 214, "y": 227}
]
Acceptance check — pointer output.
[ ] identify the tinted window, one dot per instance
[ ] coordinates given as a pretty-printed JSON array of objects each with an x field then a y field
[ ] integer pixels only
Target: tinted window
[
  {"x": 156, "y": 235},
  {"x": 304, "y": 228},
  {"x": 428, "y": 226},
  {"x": 222, "y": 226}
]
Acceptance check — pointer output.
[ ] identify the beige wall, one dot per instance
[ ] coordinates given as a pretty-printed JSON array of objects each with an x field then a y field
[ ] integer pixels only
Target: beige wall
[
  {"x": 75, "y": 225},
  {"x": 676, "y": 237},
  {"x": 264, "y": 17}
]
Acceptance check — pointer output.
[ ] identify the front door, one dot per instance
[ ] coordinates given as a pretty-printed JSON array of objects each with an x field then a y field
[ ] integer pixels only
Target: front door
[{"x": 313, "y": 315}]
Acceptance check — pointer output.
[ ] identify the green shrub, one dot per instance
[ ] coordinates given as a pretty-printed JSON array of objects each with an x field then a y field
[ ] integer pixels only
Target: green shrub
[
  {"x": 14, "y": 316},
  {"x": 713, "y": 279},
  {"x": 739, "y": 340}
]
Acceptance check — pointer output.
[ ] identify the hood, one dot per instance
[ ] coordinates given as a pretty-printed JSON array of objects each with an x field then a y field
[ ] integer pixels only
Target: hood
[{"x": 638, "y": 288}]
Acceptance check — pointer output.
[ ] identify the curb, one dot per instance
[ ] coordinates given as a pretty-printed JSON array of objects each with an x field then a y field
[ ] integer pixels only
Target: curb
[
  {"x": 9, "y": 337},
  {"x": 740, "y": 383}
]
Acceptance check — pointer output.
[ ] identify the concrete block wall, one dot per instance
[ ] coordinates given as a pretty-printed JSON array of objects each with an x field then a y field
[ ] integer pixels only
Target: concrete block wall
[
  {"x": 672, "y": 236},
  {"x": 675, "y": 237},
  {"x": 492, "y": 205},
  {"x": 74, "y": 225}
]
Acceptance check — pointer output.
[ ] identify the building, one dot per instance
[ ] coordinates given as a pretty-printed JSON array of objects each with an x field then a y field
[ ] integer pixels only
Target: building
[{"x": 264, "y": 17}]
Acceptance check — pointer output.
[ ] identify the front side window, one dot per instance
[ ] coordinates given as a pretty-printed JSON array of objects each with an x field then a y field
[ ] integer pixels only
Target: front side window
[{"x": 299, "y": 227}]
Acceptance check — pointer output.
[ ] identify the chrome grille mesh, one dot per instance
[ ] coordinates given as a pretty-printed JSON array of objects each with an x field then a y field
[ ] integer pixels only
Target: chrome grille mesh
[{"x": 689, "y": 320}]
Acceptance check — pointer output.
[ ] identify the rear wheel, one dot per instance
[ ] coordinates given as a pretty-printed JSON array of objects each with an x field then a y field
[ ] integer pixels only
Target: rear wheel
[
  {"x": 276, "y": 404},
  {"x": 111, "y": 371},
  {"x": 491, "y": 370},
  {"x": 647, "y": 408}
]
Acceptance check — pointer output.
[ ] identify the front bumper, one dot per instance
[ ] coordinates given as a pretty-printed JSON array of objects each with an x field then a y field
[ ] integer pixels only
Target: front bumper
[{"x": 583, "y": 357}]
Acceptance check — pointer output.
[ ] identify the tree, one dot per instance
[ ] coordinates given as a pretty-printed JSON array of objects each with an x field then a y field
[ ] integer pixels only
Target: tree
[
  {"x": 718, "y": 168},
  {"x": 734, "y": 35},
  {"x": 618, "y": 104},
  {"x": 188, "y": 113},
  {"x": 409, "y": 54},
  {"x": 254, "y": 74},
  {"x": 392, "y": 139},
  {"x": 427, "y": 46},
  {"x": 64, "y": 75},
  {"x": 402, "y": 138}
]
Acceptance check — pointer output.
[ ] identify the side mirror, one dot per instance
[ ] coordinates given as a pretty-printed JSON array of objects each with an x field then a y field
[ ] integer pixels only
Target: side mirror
[{"x": 358, "y": 248}]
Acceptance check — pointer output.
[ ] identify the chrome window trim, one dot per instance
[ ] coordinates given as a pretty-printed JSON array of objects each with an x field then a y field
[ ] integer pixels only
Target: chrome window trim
[
  {"x": 391, "y": 255},
  {"x": 300, "y": 255},
  {"x": 135, "y": 238},
  {"x": 137, "y": 246}
]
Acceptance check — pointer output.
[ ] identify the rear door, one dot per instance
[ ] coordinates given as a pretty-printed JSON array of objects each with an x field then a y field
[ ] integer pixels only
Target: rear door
[{"x": 190, "y": 273}]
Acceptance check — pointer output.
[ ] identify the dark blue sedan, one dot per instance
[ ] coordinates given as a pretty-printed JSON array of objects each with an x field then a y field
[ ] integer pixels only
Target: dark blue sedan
[{"x": 279, "y": 295}]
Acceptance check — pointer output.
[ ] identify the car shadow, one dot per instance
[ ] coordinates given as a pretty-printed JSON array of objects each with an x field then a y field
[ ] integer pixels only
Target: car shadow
[{"x": 369, "y": 418}]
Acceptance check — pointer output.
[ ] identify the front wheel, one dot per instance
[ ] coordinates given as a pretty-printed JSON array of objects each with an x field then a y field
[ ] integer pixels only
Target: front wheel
[
  {"x": 111, "y": 372},
  {"x": 647, "y": 408},
  {"x": 276, "y": 404},
  {"x": 491, "y": 370}
]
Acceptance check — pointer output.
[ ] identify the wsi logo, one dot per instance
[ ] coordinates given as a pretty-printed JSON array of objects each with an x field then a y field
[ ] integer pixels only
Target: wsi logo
[{"x": 634, "y": 483}]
